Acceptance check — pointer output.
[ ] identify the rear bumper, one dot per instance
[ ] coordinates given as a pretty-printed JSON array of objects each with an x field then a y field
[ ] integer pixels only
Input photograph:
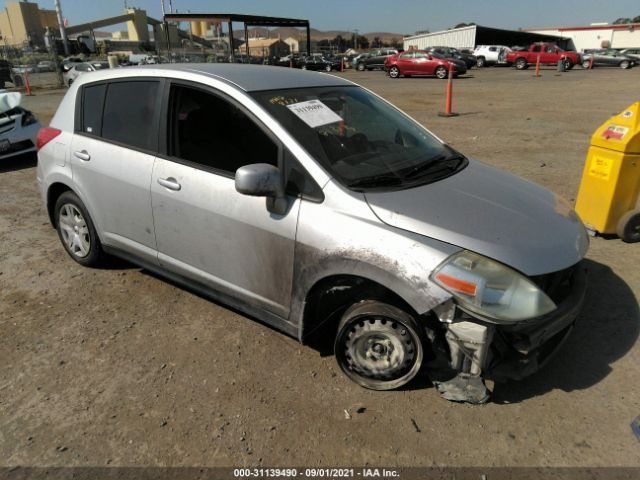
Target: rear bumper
[
  {"x": 19, "y": 141},
  {"x": 521, "y": 349}
]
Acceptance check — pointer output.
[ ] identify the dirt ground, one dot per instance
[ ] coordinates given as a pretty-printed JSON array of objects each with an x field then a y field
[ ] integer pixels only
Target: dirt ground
[{"x": 118, "y": 367}]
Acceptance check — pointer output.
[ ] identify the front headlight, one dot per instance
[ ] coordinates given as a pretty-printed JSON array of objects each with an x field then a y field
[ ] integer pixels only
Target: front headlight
[{"x": 493, "y": 290}]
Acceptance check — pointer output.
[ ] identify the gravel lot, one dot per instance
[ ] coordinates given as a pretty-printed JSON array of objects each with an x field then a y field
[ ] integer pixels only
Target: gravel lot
[{"x": 119, "y": 367}]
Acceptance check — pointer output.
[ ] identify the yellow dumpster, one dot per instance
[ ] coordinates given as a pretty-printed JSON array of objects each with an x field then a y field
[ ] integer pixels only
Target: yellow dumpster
[{"x": 608, "y": 197}]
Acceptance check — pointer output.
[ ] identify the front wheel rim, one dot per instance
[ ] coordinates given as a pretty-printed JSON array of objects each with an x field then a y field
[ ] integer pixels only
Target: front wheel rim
[
  {"x": 394, "y": 72},
  {"x": 74, "y": 230},
  {"x": 441, "y": 73},
  {"x": 379, "y": 353}
]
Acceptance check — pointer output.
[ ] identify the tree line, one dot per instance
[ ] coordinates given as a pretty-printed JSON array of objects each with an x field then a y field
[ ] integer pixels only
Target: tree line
[{"x": 358, "y": 42}]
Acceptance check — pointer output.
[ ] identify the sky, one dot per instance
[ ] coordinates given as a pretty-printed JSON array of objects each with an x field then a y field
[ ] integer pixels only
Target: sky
[{"x": 396, "y": 16}]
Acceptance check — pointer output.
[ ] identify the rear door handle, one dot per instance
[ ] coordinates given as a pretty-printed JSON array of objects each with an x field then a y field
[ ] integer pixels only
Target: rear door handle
[
  {"x": 170, "y": 183},
  {"x": 82, "y": 155}
]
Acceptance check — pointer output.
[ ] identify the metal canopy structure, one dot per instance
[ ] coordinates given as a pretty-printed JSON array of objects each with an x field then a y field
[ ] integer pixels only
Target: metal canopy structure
[{"x": 247, "y": 20}]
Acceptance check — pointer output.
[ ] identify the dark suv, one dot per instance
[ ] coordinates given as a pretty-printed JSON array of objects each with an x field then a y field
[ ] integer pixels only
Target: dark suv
[
  {"x": 454, "y": 53},
  {"x": 376, "y": 59}
]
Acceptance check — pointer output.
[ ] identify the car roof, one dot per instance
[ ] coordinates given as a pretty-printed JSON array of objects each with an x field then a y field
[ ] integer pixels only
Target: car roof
[{"x": 249, "y": 78}]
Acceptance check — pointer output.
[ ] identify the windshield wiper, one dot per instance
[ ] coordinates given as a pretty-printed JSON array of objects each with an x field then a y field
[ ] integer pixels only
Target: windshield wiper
[
  {"x": 376, "y": 181},
  {"x": 437, "y": 164}
]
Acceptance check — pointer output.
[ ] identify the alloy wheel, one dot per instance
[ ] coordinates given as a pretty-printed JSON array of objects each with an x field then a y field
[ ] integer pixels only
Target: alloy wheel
[{"x": 74, "y": 230}]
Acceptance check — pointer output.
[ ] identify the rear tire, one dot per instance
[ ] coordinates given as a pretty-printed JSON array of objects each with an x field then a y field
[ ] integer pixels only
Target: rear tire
[
  {"x": 379, "y": 346},
  {"x": 480, "y": 62},
  {"x": 360, "y": 67},
  {"x": 586, "y": 64},
  {"x": 625, "y": 64},
  {"x": 629, "y": 227},
  {"x": 568, "y": 64},
  {"x": 76, "y": 230},
  {"x": 327, "y": 68}
]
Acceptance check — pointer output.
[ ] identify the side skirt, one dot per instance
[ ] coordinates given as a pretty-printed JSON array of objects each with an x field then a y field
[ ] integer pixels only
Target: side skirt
[{"x": 256, "y": 313}]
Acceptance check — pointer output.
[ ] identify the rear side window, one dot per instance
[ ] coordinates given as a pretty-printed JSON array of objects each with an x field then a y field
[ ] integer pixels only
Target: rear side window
[
  {"x": 128, "y": 113},
  {"x": 92, "y": 103}
]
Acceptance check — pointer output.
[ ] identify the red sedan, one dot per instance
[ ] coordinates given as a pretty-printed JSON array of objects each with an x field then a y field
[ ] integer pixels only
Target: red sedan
[{"x": 418, "y": 62}]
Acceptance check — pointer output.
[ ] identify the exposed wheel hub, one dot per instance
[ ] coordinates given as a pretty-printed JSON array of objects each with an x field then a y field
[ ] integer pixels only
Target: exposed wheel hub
[{"x": 379, "y": 348}]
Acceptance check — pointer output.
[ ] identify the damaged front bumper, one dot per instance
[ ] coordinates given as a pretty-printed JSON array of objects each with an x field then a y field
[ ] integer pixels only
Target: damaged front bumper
[{"x": 474, "y": 349}]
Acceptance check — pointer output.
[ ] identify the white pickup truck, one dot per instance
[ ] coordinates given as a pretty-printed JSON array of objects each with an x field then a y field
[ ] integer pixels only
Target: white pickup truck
[{"x": 491, "y": 55}]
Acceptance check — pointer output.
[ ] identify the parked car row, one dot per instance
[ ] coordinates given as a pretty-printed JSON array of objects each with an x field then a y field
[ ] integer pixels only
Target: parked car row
[{"x": 432, "y": 61}]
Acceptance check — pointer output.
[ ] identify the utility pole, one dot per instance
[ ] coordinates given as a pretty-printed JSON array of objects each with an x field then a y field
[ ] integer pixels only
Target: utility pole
[
  {"x": 63, "y": 31},
  {"x": 51, "y": 45}
]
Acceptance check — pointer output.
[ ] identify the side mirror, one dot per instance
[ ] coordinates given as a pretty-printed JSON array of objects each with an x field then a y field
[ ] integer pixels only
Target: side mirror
[{"x": 263, "y": 180}]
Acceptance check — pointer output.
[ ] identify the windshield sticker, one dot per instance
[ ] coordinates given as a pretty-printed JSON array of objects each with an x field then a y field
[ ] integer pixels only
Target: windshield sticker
[
  {"x": 614, "y": 131},
  {"x": 314, "y": 113},
  {"x": 284, "y": 101},
  {"x": 600, "y": 168}
]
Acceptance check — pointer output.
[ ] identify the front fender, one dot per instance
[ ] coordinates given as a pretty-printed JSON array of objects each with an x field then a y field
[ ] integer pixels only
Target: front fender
[{"x": 407, "y": 280}]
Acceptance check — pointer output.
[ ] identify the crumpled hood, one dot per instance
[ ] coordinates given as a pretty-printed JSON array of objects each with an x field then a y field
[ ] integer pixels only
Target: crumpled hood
[{"x": 493, "y": 213}]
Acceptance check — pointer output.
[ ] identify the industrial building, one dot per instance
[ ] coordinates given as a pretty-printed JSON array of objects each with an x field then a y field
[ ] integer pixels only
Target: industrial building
[
  {"x": 596, "y": 35},
  {"x": 470, "y": 36},
  {"x": 267, "y": 47},
  {"x": 23, "y": 24}
]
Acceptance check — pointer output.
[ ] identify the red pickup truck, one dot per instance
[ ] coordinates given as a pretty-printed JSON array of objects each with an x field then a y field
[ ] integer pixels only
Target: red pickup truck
[{"x": 549, "y": 55}]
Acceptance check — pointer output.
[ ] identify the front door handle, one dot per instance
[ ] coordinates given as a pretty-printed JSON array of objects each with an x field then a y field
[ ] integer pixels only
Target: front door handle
[
  {"x": 82, "y": 155},
  {"x": 170, "y": 183}
]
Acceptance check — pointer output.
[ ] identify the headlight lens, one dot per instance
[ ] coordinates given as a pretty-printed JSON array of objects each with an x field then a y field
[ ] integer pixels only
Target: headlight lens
[{"x": 491, "y": 289}]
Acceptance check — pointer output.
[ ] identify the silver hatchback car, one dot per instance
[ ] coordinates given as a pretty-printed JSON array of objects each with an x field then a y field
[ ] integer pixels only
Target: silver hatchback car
[{"x": 314, "y": 205}]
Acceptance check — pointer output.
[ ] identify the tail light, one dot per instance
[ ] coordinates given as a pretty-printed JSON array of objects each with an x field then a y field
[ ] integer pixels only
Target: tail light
[{"x": 45, "y": 135}]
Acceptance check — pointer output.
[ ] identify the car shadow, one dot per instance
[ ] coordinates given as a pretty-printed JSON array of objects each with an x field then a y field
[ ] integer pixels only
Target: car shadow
[
  {"x": 606, "y": 330},
  {"x": 19, "y": 162}
]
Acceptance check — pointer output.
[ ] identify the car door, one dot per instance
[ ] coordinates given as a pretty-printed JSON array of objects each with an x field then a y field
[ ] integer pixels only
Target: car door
[
  {"x": 205, "y": 229},
  {"x": 406, "y": 63},
  {"x": 112, "y": 155},
  {"x": 422, "y": 64},
  {"x": 610, "y": 58},
  {"x": 549, "y": 55},
  {"x": 536, "y": 51},
  {"x": 376, "y": 60}
]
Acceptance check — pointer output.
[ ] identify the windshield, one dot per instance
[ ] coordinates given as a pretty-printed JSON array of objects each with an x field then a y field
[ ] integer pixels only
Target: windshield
[{"x": 361, "y": 140}]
